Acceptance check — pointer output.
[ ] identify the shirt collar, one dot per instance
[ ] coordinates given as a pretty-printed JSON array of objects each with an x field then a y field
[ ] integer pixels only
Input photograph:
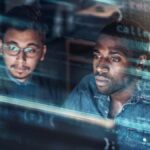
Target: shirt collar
[
  {"x": 103, "y": 101},
  {"x": 137, "y": 95}
]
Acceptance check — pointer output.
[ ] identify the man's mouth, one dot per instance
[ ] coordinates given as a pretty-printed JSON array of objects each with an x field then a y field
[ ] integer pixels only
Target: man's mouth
[
  {"x": 101, "y": 80},
  {"x": 20, "y": 69}
]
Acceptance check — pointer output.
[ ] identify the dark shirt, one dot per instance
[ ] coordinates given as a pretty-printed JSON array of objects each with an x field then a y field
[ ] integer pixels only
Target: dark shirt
[
  {"x": 132, "y": 123},
  {"x": 15, "y": 121},
  {"x": 36, "y": 89}
]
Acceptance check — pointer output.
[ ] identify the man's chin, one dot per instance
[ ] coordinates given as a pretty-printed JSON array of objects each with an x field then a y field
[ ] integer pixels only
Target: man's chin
[
  {"x": 22, "y": 77},
  {"x": 104, "y": 90}
]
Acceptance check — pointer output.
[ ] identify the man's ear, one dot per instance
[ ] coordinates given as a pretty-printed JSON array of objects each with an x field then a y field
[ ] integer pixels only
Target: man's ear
[
  {"x": 43, "y": 53},
  {"x": 142, "y": 62},
  {"x": 0, "y": 46}
]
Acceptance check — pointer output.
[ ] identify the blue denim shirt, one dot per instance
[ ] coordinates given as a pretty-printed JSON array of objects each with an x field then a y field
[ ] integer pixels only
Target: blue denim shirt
[{"x": 132, "y": 123}]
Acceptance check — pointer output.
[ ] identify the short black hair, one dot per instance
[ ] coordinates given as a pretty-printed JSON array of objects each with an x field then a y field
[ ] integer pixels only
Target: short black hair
[
  {"x": 133, "y": 32},
  {"x": 22, "y": 18}
]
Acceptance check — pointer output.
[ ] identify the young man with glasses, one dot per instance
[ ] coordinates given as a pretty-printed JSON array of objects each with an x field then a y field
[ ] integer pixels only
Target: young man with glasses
[{"x": 23, "y": 47}]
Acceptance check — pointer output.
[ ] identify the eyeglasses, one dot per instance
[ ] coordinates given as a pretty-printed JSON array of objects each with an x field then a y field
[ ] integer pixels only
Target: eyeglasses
[{"x": 13, "y": 50}]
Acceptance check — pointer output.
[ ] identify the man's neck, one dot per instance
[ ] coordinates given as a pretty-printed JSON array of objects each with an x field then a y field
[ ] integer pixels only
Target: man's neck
[
  {"x": 20, "y": 81},
  {"x": 119, "y": 98}
]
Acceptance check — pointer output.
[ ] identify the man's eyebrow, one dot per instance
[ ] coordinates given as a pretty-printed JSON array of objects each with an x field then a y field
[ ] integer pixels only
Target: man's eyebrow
[
  {"x": 119, "y": 50},
  {"x": 29, "y": 44},
  {"x": 95, "y": 50},
  {"x": 11, "y": 42},
  {"x": 114, "y": 50},
  {"x": 96, "y": 47},
  {"x": 33, "y": 44}
]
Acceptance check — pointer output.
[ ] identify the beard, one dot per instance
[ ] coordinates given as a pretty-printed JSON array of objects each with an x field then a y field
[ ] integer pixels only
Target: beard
[
  {"x": 108, "y": 85},
  {"x": 20, "y": 72},
  {"x": 16, "y": 67}
]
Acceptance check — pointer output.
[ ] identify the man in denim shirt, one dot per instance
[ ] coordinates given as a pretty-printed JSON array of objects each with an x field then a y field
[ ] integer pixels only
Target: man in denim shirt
[{"x": 115, "y": 89}]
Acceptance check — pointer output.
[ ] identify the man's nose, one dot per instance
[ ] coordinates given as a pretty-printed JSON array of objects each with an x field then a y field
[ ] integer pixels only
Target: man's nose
[
  {"x": 103, "y": 65},
  {"x": 21, "y": 56},
  {"x": 102, "y": 68}
]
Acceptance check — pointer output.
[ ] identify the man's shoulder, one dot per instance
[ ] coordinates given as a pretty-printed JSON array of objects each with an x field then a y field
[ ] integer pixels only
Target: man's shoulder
[
  {"x": 145, "y": 88},
  {"x": 139, "y": 108},
  {"x": 81, "y": 97},
  {"x": 144, "y": 103},
  {"x": 53, "y": 89},
  {"x": 141, "y": 95},
  {"x": 41, "y": 80},
  {"x": 48, "y": 82},
  {"x": 89, "y": 77},
  {"x": 87, "y": 82}
]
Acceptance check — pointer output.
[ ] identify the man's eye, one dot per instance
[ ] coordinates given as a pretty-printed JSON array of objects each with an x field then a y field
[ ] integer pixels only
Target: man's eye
[
  {"x": 96, "y": 55},
  {"x": 116, "y": 59},
  {"x": 13, "y": 47},
  {"x": 30, "y": 50}
]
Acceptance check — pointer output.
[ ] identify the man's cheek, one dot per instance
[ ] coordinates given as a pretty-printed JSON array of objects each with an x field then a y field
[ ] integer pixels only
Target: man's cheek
[
  {"x": 120, "y": 71},
  {"x": 32, "y": 65},
  {"x": 95, "y": 64}
]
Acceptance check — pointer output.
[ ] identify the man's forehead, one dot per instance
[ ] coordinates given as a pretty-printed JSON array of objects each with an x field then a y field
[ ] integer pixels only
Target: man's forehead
[
  {"x": 122, "y": 43},
  {"x": 16, "y": 30},
  {"x": 111, "y": 42},
  {"x": 14, "y": 33},
  {"x": 114, "y": 50},
  {"x": 104, "y": 38}
]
